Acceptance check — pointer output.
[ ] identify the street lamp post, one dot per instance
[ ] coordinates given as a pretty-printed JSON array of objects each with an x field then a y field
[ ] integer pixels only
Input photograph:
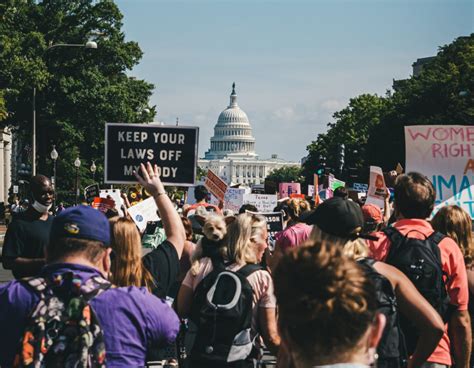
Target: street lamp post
[
  {"x": 77, "y": 164},
  {"x": 93, "y": 170},
  {"x": 54, "y": 157},
  {"x": 87, "y": 45}
]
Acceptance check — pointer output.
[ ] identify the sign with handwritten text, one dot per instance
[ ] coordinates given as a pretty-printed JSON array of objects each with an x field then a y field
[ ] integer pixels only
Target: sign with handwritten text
[{"x": 445, "y": 154}]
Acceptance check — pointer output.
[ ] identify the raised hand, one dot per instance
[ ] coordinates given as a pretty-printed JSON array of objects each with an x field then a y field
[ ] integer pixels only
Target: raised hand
[{"x": 149, "y": 179}]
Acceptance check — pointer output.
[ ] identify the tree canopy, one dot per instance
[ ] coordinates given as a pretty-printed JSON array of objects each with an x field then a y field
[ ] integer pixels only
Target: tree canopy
[
  {"x": 78, "y": 89},
  {"x": 286, "y": 174},
  {"x": 372, "y": 127},
  {"x": 443, "y": 94}
]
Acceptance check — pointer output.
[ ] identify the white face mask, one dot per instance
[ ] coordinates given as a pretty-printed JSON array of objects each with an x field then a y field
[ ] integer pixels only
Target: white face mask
[{"x": 41, "y": 208}]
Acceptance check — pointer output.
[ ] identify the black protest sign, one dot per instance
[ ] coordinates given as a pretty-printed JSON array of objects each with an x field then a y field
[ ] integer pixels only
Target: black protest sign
[
  {"x": 173, "y": 149},
  {"x": 274, "y": 225},
  {"x": 91, "y": 192},
  {"x": 274, "y": 221}
]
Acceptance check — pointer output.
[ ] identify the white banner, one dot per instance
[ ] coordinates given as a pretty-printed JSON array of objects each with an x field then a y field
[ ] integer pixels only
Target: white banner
[
  {"x": 445, "y": 154},
  {"x": 143, "y": 212},
  {"x": 113, "y": 194},
  {"x": 377, "y": 189},
  {"x": 263, "y": 202},
  {"x": 234, "y": 199}
]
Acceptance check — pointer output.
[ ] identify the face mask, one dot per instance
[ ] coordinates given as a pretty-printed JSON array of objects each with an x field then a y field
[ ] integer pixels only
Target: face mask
[{"x": 41, "y": 208}]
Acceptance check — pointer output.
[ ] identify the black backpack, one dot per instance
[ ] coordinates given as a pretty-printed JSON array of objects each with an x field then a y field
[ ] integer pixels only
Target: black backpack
[
  {"x": 420, "y": 261},
  {"x": 222, "y": 311},
  {"x": 391, "y": 349}
]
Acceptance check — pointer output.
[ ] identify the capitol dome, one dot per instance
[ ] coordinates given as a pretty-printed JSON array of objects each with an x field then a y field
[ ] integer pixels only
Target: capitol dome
[{"x": 232, "y": 133}]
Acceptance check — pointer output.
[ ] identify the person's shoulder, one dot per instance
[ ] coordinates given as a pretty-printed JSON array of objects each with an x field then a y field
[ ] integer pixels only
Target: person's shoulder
[
  {"x": 129, "y": 299},
  {"x": 17, "y": 292},
  {"x": 261, "y": 275},
  {"x": 137, "y": 295},
  {"x": 449, "y": 247},
  {"x": 165, "y": 249}
]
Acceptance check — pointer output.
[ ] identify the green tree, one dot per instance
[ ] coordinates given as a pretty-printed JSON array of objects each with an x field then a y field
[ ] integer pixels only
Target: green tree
[
  {"x": 443, "y": 94},
  {"x": 78, "y": 89},
  {"x": 352, "y": 127},
  {"x": 286, "y": 174},
  {"x": 200, "y": 173},
  {"x": 3, "y": 108}
]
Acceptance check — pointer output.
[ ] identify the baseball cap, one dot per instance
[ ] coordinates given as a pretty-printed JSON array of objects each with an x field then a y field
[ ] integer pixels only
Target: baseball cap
[
  {"x": 372, "y": 213},
  {"x": 339, "y": 217},
  {"x": 81, "y": 222}
]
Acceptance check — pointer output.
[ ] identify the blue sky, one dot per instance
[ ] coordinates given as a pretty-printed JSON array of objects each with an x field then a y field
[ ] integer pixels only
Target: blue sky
[{"x": 294, "y": 62}]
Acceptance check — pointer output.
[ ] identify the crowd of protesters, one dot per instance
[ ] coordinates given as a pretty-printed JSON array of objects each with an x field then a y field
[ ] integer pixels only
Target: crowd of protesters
[{"x": 346, "y": 284}]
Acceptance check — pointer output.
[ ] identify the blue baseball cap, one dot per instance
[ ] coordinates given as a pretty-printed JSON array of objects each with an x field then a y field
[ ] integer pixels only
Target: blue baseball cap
[{"x": 81, "y": 222}]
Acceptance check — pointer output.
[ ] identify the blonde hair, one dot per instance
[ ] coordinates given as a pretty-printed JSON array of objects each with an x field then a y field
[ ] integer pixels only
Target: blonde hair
[
  {"x": 127, "y": 268},
  {"x": 456, "y": 223},
  {"x": 352, "y": 248},
  {"x": 297, "y": 206},
  {"x": 245, "y": 229}
]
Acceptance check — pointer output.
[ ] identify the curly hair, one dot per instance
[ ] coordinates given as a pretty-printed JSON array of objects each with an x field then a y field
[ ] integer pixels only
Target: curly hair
[
  {"x": 456, "y": 223},
  {"x": 326, "y": 301},
  {"x": 295, "y": 207}
]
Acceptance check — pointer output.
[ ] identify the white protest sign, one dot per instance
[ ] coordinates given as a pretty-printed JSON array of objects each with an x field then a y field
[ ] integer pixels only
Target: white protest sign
[
  {"x": 143, "y": 212},
  {"x": 310, "y": 190},
  {"x": 445, "y": 154},
  {"x": 115, "y": 195},
  {"x": 263, "y": 202},
  {"x": 377, "y": 189},
  {"x": 234, "y": 199}
]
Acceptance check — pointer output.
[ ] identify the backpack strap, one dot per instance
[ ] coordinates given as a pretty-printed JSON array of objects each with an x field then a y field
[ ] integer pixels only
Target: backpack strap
[
  {"x": 248, "y": 269},
  {"x": 94, "y": 286},
  {"x": 436, "y": 237},
  {"x": 396, "y": 239},
  {"x": 393, "y": 234},
  {"x": 367, "y": 261},
  {"x": 38, "y": 284}
]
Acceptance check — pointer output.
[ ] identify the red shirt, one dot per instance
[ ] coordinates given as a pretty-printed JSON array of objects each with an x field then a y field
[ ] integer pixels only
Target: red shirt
[{"x": 452, "y": 263}]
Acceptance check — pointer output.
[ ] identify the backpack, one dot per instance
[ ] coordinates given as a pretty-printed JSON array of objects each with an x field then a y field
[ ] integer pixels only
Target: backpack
[
  {"x": 62, "y": 330},
  {"x": 420, "y": 261},
  {"x": 391, "y": 349},
  {"x": 222, "y": 311}
]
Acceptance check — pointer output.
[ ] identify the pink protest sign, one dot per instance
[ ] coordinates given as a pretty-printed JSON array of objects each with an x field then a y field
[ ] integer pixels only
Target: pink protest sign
[
  {"x": 287, "y": 189},
  {"x": 445, "y": 154}
]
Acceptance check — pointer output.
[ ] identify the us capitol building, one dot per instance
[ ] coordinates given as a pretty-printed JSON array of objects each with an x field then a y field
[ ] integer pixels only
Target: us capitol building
[{"x": 232, "y": 153}]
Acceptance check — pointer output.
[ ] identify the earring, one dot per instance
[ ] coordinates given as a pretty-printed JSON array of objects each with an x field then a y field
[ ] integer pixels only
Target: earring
[{"x": 373, "y": 357}]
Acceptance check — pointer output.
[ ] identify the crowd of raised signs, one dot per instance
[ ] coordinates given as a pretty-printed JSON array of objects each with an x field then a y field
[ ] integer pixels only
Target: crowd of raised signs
[{"x": 334, "y": 279}]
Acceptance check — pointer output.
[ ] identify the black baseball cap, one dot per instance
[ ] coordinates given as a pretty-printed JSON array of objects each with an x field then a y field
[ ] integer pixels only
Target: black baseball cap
[{"x": 339, "y": 217}]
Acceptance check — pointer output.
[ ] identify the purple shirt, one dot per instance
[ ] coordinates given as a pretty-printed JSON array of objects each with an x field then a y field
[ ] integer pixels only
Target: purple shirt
[{"x": 130, "y": 317}]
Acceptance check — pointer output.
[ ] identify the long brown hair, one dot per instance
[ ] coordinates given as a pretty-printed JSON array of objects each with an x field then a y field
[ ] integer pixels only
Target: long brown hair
[
  {"x": 127, "y": 267},
  {"x": 456, "y": 223}
]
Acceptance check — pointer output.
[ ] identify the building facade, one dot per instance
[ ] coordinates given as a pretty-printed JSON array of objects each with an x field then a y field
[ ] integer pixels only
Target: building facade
[
  {"x": 232, "y": 153},
  {"x": 5, "y": 163}
]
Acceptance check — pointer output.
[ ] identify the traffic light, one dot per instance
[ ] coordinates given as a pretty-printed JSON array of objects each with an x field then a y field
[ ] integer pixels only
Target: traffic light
[
  {"x": 341, "y": 151},
  {"x": 320, "y": 168}
]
